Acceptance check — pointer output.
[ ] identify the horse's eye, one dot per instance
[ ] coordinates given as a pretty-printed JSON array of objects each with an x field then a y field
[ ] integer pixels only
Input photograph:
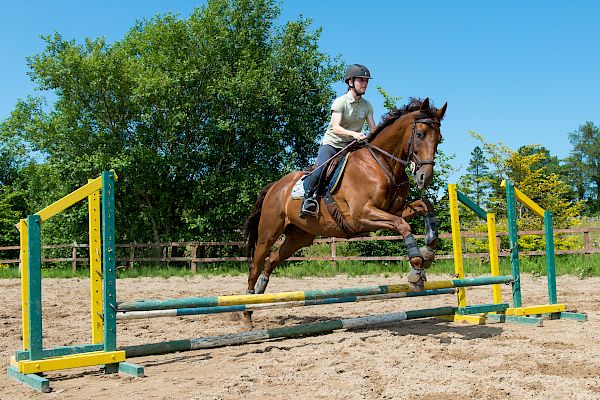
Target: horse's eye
[{"x": 420, "y": 134}]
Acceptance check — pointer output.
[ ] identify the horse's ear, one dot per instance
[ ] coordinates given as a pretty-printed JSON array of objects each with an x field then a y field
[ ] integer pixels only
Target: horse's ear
[
  {"x": 425, "y": 105},
  {"x": 440, "y": 113}
]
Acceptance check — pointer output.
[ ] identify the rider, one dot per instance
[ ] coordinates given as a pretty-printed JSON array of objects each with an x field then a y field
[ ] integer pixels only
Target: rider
[{"x": 348, "y": 116}]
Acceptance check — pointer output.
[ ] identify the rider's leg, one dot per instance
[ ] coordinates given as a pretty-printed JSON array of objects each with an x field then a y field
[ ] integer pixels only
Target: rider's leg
[{"x": 310, "y": 205}]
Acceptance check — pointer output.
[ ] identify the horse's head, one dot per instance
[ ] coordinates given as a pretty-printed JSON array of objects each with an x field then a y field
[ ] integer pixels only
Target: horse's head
[
  {"x": 410, "y": 136},
  {"x": 422, "y": 138}
]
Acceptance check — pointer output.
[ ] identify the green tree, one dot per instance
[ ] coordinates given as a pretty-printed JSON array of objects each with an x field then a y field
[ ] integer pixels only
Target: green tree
[
  {"x": 194, "y": 115},
  {"x": 583, "y": 165},
  {"x": 476, "y": 182}
]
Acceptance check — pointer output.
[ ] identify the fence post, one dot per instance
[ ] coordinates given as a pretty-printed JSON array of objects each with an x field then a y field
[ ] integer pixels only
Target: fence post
[
  {"x": 131, "y": 255},
  {"x": 74, "y": 258},
  {"x": 498, "y": 242},
  {"x": 586, "y": 241},
  {"x": 334, "y": 252},
  {"x": 193, "y": 255}
]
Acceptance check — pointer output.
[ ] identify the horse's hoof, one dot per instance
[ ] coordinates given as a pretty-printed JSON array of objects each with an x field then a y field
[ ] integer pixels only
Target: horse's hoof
[
  {"x": 428, "y": 256},
  {"x": 416, "y": 279},
  {"x": 417, "y": 287}
]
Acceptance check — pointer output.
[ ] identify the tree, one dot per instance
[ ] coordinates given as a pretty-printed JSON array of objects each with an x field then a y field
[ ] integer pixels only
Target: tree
[
  {"x": 528, "y": 170},
  {"x": 194, "y": 115},
  {"x": 583, "y": 165},
  {"x": 476, "y": 182}
]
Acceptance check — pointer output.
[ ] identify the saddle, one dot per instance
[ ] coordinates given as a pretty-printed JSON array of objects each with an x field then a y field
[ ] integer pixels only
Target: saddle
[
  {"x": 333, "y": 172},
  {"x": 328, "y": 184}
]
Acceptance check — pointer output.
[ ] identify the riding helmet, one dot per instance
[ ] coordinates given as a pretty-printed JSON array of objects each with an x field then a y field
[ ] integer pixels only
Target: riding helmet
[{"x": 357, "y": 71}]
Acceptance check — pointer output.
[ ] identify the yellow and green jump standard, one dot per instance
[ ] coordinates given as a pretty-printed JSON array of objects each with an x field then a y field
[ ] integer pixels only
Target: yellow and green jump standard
[
  {"x": 478, "y": 313},
  {"x": 28, "y": 364},
  {"x": 553, "y": 309}
]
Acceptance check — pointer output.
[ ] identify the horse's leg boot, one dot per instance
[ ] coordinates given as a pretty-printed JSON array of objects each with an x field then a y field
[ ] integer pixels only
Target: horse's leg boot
[{"x": 261, "y": 284}]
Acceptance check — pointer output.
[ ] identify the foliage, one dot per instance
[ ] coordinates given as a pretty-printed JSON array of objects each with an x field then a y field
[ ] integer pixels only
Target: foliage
[
  {"x": 476, "y": 182},
  {"x": 583, "y": 165},
  {"x": 529, "y": 169},
  {"x": 195, "y": 115}
]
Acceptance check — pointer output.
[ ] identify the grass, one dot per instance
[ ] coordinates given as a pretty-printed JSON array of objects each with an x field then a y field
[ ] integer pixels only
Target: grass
[{"x": 578, "y": 265}]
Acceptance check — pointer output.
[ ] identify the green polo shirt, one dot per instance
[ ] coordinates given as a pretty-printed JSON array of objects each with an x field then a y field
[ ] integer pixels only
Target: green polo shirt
[{"x": 354, "y": 116}]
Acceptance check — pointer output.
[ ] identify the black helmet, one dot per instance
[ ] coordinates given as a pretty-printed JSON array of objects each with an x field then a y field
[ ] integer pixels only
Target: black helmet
[{"x": 357, "y": 71}]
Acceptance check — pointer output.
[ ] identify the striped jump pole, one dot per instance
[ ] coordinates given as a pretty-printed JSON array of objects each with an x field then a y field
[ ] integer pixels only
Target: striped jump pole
[
  {"x": 193, "y": 302},
  {"x": 178, "y": 312},
  {"x": 284, "y": 332}
]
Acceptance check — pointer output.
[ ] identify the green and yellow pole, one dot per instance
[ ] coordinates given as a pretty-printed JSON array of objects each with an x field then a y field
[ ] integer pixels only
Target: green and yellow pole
[
  {"x": 95, "y": 267},
  {"x": 459, "y": 270},
  {"x": 24, "y": 243},
  {"x": 494, "y": 263},
  {"x": 513, "y": 239}
]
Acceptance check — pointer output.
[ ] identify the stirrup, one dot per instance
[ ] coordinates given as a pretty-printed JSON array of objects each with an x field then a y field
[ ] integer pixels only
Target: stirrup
[{"x": 309, "y": 208}]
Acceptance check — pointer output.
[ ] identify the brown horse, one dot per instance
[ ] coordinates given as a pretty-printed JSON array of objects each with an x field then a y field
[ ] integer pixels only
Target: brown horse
[{"x": 372, "y": 195}]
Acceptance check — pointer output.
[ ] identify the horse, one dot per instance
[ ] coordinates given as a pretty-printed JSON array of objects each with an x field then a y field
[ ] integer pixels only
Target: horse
[{"x": 371, "y": 195}]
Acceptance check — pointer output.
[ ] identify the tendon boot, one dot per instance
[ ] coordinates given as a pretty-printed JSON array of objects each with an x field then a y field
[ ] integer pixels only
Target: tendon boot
[{"x": 310, "y": 207}]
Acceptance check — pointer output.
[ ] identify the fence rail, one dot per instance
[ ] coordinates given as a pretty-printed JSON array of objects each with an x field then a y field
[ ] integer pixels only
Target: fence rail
[{"x": 193, "y": 260}]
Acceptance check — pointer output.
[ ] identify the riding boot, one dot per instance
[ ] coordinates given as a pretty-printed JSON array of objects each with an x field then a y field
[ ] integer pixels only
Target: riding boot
[{"x": 309, "y": 207}]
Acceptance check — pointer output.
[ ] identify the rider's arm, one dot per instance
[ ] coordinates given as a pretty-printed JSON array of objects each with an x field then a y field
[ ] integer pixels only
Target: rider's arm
[
  {"x": 336, "y": 118},
  {"x": 371, "y": 123}
]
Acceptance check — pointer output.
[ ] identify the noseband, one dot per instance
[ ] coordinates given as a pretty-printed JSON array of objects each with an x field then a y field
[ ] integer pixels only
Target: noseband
[
  {"x": 412, "y": 159},
  {"x": 415, "y": 162}
]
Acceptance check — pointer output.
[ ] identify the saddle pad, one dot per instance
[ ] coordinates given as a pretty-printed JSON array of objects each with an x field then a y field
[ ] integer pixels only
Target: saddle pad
[
  {"x": 337, "y": 175},
  {"x": 298, "y": 189}
]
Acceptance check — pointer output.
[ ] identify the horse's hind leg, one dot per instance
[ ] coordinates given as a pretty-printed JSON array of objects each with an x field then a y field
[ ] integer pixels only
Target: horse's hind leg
[
  {"x": 295, "y": 239},
  {"x": 267, "y": 236}
]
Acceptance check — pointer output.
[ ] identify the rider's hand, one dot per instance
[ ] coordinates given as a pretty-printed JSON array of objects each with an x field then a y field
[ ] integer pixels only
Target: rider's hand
[{"x": 359, "y": 136}]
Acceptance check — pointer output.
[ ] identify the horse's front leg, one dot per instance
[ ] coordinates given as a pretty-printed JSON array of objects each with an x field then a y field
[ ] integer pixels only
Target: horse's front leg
[
  {"x": 373, "y": 218},
  {"x": 424, "y": 207}
]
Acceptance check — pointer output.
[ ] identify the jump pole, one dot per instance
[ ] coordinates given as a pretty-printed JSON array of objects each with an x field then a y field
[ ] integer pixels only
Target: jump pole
[
  {"x": 179, "y": 312},
  {"x": 285, "y": 332},
  {"x": 192, "y": 302}
]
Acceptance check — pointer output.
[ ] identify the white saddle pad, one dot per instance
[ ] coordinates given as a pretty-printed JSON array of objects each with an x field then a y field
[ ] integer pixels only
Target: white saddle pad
[{"x": 298, "y": 189}]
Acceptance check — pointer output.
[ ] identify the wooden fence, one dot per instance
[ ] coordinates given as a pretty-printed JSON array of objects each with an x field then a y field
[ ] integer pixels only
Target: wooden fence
[{"x": 170, "y": 250}]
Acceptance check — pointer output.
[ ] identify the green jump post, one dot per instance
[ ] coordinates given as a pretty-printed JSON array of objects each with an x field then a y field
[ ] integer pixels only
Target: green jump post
[
  {"x": 550, "y": 264},
  {"x": 34, "y": 255},
  {"x": 513, "y": 239},
  {"x": 109, "y": 261}
]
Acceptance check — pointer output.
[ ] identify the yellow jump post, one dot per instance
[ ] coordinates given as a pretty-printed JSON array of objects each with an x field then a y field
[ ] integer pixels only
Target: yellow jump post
[{"x": 462, "y": 312}]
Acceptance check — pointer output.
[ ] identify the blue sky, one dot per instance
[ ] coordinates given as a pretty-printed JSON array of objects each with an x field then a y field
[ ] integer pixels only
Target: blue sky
[{"x": 520, "y": 72}]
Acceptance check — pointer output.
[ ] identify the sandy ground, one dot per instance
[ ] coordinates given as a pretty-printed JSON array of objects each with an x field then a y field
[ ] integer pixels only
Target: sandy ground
[{"x": 419, "y": 359}]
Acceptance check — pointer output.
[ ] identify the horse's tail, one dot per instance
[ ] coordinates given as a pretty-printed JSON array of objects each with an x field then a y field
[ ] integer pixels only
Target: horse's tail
[{"x": 251, "y": 226}]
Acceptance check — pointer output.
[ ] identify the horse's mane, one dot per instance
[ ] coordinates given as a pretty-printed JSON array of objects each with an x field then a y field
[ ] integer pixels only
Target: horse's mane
[{"x": 414, "y": 104}]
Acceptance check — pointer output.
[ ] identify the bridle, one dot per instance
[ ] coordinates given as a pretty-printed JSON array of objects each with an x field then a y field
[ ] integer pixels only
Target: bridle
[{"x": 412, "y": 160}]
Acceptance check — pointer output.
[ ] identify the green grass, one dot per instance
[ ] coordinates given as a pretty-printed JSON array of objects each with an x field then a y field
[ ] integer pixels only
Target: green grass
[{"x": 577, "y": 265}]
